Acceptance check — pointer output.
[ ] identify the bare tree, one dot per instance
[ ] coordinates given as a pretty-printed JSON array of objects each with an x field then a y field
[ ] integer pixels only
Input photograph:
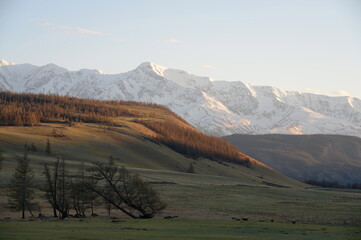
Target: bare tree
[
  {"x": 81, "y": 195},
  {"x": 92, "y": 197},
  {"x": 21, "y": 188},
  {"x": 57, "y": 188},
  {"x": 130, "y": 194},
  {"x": 108, "y": 187},
  {"x": 64, "y": 191},
  {"x": 50, "y": 188}
]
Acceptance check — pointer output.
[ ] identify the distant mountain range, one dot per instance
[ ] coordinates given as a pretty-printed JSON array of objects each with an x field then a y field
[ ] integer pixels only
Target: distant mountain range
[
  {"x": 316, "y": 157},
  {"x": 215, "y": 107}
]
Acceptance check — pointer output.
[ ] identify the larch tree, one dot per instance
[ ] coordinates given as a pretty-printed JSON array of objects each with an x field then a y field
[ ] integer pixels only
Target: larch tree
[
  {"x": 33, "y": 148},
  {"x": 110, "y": 174},
  {"x": 92, "y": 197},
  {"x": 57, "y": 188},
  {"x": 21, "y": 188},
  {"x": 64, "y": 191},
  {"x": 190, "y": 168},
  {"x": 51, "y": 185},
  {"x": 80, "y": 194},
  {"x": 48, "y": 147},
  {"x": 130, "y": 194}
]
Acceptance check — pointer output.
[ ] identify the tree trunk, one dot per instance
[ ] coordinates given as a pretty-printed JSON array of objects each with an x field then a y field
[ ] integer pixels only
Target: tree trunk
[
  {"x": 31, "y": 213},
  {"x": 91, "y": 206},
  {"x": 54, "y": 212}
]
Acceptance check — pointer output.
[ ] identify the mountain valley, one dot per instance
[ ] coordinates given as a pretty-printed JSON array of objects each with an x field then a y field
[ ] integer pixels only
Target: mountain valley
[{"x": 306, "y": 157}]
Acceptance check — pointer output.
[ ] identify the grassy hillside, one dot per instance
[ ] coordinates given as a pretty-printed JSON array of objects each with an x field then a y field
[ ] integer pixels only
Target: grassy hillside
[
  {"x": 130, "y": 144},
  {"x": 86, "y": 131},
  {"x": 34, "y": 109},
  {"x": 329, "y": 157}
]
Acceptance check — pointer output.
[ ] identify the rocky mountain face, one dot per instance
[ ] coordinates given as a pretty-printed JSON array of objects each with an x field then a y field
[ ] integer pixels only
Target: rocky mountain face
[
  {"x": 214, "y": 107},
  {"x": 304, "y": 157}
]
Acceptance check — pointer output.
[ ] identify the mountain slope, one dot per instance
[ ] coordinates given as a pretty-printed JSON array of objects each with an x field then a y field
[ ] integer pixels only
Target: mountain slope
[
  {"x": 317, "y": 157},
  {"x": 121, "y": 129},
  {"x": 214, "y": 107}
]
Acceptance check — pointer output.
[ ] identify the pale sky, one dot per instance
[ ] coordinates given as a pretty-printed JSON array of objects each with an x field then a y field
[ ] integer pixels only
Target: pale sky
[{"x": 308, "y": 45}]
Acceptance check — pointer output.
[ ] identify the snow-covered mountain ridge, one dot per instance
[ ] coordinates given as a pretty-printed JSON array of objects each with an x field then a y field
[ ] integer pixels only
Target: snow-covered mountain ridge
[{"x": 214, "y": 107}]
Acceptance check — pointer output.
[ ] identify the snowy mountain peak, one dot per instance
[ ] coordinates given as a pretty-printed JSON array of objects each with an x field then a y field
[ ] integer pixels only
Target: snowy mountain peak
[
  {"x": 214, "y": 107},
  {"x": 152, "y": 67},
  {"x": 54, "y": 68},
  {"x": 5, "y": 63},
  {"x": 175, "y": 75}
]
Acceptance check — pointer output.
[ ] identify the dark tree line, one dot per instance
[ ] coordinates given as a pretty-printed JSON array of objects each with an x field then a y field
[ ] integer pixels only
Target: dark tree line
[
  {"x": 115, "y": 186},
  {"x": 31, "y": 109},
  {"x": 332, "y": 184},
  {"x": 30, "y": 147},
  {"x": 195, "y": 144}
]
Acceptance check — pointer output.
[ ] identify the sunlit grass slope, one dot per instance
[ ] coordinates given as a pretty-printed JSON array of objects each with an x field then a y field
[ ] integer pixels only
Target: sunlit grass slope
[{"x": 130, "y": 144}]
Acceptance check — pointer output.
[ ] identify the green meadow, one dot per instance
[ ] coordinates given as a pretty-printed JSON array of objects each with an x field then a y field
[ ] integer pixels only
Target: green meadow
[{"x": 171, "y": 229}]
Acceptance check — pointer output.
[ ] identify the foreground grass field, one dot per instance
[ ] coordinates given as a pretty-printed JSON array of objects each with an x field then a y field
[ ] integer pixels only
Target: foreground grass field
[
  {"x": 206, "y": 205},
  {"x": 172, "y": 229},
  {"x": 205, "y": 201}
]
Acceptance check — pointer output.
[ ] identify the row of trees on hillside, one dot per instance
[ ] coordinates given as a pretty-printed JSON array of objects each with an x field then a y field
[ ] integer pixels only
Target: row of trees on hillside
[
  {"x": 332, "y": 184},
  {"x": 117, "y": 187},
  {"x": 32, "y": 109},
  {"x": 195, "y": 144}
]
